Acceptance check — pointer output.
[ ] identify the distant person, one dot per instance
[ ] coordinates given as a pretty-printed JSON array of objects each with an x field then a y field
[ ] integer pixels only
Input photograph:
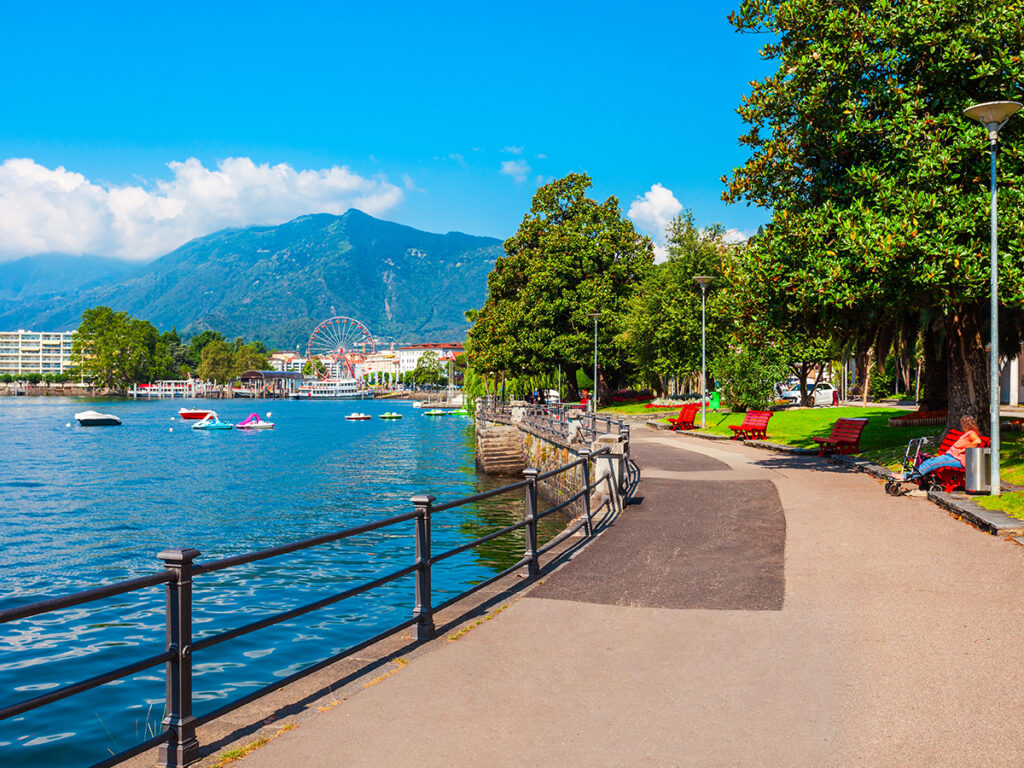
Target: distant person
[
  {"x": 957, "y": 454},
  {"x": 835, "y": 397}
]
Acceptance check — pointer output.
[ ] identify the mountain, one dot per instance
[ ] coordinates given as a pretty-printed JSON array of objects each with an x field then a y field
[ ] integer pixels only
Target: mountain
[
  {"x": 49, "y": 273},
  {"x": 277, "y": 283}
]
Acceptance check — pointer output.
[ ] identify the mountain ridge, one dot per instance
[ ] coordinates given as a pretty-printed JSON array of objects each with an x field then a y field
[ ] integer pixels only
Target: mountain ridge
[{"x": 275, "y": 283}]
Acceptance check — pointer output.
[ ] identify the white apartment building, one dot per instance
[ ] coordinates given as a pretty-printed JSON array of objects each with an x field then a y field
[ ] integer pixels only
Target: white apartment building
[
  {"x": 286, "y": 361},
  {"x": 410, "y": 355},
  {"x": 35, "y": 352}
]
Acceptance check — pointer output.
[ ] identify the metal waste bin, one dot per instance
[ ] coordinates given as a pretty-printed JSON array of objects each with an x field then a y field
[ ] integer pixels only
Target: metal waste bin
[
  {"x": 715, "y": 400},
  {"x": 978, "y": 465}
]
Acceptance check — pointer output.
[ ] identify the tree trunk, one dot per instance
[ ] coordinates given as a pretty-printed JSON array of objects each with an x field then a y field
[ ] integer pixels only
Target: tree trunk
[
  {"x": 967, "y": 368},
  {"x": 869, "y": 358},
  {"x": 570, "y": 383},
  {"x": 601, "y": 390},
  {"x": 934, "y": 396}
]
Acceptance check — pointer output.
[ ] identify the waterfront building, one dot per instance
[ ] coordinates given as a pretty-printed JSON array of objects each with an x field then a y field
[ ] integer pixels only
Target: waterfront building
[
  {"x": 378, "y": 363},
  {"x": 35, "y": 351},
  {"x": 410, "y": 355},
  {"x": 286, "y": 361}
]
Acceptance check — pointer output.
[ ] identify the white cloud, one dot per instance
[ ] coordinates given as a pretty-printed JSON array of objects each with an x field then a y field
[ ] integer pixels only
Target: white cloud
[
  {"x": 736, "y": 236},
  {"x": 43, "y": 209},
  {"x": 513, "y": 150},
  {"x": 517, "y": 169},
  {"x": 652, "y": 214}
]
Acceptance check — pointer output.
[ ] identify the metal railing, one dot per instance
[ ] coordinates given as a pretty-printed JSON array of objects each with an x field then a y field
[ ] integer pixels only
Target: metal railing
[{"x": 178, "y": 743}]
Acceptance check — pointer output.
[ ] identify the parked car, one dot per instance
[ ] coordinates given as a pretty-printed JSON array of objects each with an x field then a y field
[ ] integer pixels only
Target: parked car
[{"x": 821, "y": 394}]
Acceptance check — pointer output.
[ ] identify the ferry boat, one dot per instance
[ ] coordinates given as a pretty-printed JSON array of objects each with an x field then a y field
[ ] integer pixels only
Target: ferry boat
[{"x": 328, "y": 389}]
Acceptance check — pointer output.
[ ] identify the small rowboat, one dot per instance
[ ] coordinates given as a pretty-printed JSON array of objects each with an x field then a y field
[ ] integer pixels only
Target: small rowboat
[
  {"x": 95, "y": 419},
  {"x": 211, "y": 422},
  {"x": 358, "y": 417},
  {"x": 253, "y": 421},
  {"x": 391, "y": 415},
  {"x": 194, "y": 413}
]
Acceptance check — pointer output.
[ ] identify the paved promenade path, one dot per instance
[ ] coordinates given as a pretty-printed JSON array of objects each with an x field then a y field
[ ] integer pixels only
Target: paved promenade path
[{"x": 756, "y": 609}]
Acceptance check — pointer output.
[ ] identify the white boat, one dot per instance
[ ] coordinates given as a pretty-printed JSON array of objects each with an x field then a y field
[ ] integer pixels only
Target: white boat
[
  {"x": 96, "y": 419},
  {"x": 358, "y": 417},
  {"x": 328, "y": 389}
]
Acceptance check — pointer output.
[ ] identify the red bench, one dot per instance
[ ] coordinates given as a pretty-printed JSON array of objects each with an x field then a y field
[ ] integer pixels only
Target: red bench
[
  {"x": 845, "y": 437},
  {"x": 686, "y": 417},
  {"x": 753, "y": 427},
  {"x": 951, "y": 478}
]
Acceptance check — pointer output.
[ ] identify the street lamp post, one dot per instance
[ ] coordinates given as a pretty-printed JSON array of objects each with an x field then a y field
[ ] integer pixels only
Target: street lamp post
[
  {"x": 593, "y": 395},
  {"x": 993, "y": 115},
  {"x": 702, "y": 281}
]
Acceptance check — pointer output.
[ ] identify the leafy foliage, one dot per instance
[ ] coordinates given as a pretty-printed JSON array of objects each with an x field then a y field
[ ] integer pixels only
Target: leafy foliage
[
  {"x": 877, "y": 181},
  {"x": 116, "y": 350},
  {"x": 571, "y": 256},
  {"x": 663, "y": 327}
]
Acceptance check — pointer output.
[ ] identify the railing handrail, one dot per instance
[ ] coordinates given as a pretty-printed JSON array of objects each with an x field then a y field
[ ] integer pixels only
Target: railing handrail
[{"x": 178, "y": 743}]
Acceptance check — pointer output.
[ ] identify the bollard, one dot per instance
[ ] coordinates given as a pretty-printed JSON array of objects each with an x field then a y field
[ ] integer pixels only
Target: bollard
[
  {"x": 183, "y": 747},
  {"x": 423, "y": 611},
  {"x": 533, "y": 568}
]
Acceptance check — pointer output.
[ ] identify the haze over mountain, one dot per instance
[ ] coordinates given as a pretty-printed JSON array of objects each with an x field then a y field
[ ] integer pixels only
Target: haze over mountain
[{"x": 272, "y": 283}]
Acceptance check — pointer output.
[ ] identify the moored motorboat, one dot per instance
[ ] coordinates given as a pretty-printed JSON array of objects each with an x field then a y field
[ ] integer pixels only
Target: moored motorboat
[
  {"x": 358, "y": 417},
  {"x": 212, "y": 422},
  {"x": 96, "y": 419},
  {"x": 391, "y": 415},
  {"x": 253, "y": 421},
  {"x": 194, "y": 413},
  {"x": 435, "y": 412}
]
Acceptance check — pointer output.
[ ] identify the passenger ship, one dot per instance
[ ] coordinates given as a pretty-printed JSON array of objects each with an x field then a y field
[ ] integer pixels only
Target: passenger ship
[{"x": 328, "y": 389}]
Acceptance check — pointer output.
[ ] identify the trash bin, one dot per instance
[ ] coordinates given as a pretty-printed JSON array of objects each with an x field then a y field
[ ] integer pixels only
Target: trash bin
[
  {"x": 716, "y": 400},
  {"x": 978, "y": 466}
]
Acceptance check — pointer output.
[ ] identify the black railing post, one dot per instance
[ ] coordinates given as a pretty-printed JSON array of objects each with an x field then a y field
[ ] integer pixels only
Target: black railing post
[
  {"x": 533, "y": 567},
  {"x": 183, "y": 747},
  {"x": 424, "y": 611},
  {"x": 588, "y": 526}
]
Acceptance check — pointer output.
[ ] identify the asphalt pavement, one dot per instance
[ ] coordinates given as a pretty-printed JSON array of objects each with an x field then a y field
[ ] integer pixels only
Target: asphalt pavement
[{"x": 756, "y": 609}]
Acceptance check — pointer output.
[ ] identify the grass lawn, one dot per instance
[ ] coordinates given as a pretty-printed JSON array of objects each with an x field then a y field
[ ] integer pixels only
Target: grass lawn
[
  {"x": 1010, "y": 503},
  {"x": 879, "y": 442}
]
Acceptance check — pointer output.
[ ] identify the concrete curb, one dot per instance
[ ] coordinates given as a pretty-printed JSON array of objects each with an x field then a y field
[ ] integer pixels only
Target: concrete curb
[{"x": 990, "y": 521}]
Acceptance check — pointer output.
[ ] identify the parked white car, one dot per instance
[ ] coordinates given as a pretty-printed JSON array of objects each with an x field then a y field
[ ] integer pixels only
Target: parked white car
[{"x": 821, "y": 394}]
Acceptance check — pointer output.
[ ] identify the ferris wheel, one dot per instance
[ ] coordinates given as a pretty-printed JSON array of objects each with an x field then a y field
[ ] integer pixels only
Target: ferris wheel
[{"x": 340, "y": 342}]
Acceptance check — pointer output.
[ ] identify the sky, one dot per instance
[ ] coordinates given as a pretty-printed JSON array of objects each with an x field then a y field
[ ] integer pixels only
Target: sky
[{"x": 128, "y": 129}]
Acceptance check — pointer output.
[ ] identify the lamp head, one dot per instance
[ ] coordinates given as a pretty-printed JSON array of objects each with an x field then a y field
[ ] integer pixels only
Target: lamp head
[
  {"x": 993, "y": 114},
  {"x": 595, "y": 315},
  {"x": 703, "y": 280}
]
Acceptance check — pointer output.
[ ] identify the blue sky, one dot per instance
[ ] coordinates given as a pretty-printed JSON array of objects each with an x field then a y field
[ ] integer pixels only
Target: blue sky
[{"x": 443, "y": 116}]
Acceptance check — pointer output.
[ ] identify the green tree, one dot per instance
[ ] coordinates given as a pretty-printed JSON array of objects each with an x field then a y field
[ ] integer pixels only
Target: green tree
[
  {"x": 198, "y": 343},
  {"x": 571, "y": 256},
  {"x": 429, "y": 370},
  {"x": 663, "y": 327},
  {"x": 116, "y": 350},
  {"x": 249, "y": 357},
  {"x": 216, "y": 361},
  {"x": 877, "y": 182},
  {"x": 314, "y": 367}
]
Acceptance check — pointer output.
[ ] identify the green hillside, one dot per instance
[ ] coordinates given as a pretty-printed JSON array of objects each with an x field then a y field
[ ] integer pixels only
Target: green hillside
[{"x": 277, "y": 283}]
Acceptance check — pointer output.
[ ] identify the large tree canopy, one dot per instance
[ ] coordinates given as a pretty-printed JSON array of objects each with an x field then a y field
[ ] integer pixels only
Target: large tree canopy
[
  {"x": 879, "y": 184},
  {"x": 571, "y": 256}
]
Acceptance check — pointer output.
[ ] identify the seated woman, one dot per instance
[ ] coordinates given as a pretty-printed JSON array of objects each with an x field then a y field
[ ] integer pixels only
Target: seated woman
[{"x": 955, "y": 456}]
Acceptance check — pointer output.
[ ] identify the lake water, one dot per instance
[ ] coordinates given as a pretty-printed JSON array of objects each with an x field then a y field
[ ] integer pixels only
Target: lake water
[{"x": 80, "y": 507}]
